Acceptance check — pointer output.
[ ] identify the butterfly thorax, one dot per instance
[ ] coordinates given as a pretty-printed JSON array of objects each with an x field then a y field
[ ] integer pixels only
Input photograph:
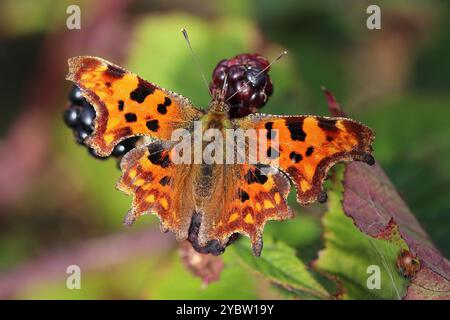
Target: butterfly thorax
[{"x": 207, "y": 175}]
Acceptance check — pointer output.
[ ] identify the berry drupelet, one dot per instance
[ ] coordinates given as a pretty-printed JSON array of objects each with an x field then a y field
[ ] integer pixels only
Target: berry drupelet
[
  {"x": 248, "y": 85},
  {"x": 80, "y": 116}
]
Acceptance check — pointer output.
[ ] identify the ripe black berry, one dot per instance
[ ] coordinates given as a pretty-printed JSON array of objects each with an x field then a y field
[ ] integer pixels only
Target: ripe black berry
[
  {"x": 71, "y": 116},
  {"x": 75, "y": 95},
  {"x": 81, "y": 134},
  {"x": 87, "y": 115},
  {"x": 124, "y": 146},
  {"x": 248, "y": 86},
  {"x": 119, "y": 150}
]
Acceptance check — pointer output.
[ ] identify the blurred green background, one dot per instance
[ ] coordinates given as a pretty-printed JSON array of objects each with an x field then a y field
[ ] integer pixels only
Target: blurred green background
[{"x": 58, "y": 205}]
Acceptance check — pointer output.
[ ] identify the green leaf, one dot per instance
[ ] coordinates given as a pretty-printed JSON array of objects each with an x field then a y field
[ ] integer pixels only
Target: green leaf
[
  {"x": 349, "y": 254},
  {"x": 301, "y": 233},
  {"x": 279, "y": 264}
]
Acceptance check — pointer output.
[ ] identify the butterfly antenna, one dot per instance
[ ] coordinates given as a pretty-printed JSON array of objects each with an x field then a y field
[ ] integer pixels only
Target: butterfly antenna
[
  {"x": 281, "y": 55},
  {"x": 225, "y": 85},
  {"x": 194, "y": 57}
]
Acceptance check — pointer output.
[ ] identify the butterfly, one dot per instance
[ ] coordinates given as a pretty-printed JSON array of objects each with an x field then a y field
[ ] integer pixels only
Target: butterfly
[{"x": 225, "y": 198}]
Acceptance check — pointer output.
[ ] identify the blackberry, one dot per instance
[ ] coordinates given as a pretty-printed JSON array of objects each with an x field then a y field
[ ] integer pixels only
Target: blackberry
[
  {"x": 72, "y": 116},
  {"x": 81, "y": 134},
  {"x": 80, "y": 116},
  {"x": 75, "y": 95},
  {"x": 124, "y": 146},
  {"x": 248, "y": 86},
  {"x": 87, "y": 116}
]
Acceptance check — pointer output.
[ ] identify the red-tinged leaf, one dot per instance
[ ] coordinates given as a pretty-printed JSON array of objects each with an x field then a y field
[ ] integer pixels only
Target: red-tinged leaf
[
  {"x": 333, "y": 106},
  {"x": 348, "y": 253},
  {"x": 428, "y": 285},
  {"x": 375, "y": 206},
  {"x": 377, "y": 209}
]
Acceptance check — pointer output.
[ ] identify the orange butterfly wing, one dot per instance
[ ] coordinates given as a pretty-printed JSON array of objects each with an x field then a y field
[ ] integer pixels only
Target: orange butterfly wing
[
  {"x": 310, "y": 145},
  {"x": 244, "y": 199},
  {"x": 127, "y": 105},
  {"x": 158, "y": 186},
  {"x": 236, "y": 198}
]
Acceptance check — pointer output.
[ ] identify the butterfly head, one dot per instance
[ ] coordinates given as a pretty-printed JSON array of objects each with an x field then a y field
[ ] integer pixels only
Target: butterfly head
[{"x": 219, "y": 105}]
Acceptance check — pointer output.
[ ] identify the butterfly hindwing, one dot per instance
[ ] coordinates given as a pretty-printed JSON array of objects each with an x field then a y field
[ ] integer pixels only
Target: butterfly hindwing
[
  {"x": 240, "y": 198},
  {"x": 126, "y": 105},
  {"x": 244, "y": 199},
  {"x": 158, "y": 186},
  {"x": 309, "y": 145}
]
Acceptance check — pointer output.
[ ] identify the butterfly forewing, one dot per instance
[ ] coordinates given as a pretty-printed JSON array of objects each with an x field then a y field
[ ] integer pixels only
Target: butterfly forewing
[
  {"x": 158, "y": 186},
  {"x": 126, "y": 105},
  {"x": 309, "y": 145}
]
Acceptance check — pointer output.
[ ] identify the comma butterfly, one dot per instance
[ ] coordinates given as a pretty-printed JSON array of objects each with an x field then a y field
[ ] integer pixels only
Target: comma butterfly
[{"x": 223, "y": 198}]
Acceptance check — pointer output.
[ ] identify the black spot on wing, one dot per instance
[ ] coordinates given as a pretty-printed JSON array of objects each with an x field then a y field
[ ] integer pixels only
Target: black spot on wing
[
  {"x": 327, "y": 124},
  {"x": 121, "y": 105},
  {"x": 152, "y": 125},
  {"x": 309, "y": 151},
  {"x": 114, "y": 72},
  {"x": 295, "y": 127},
  {"x": 157, "y": 155},
  {"x": 255, "y": 176},
  {"x": 243, "y": 195},
  {"x": 130, "y": 117},
  {"x": 271, "y": 134},
  {"x": 142, "y": 91},
  {"x": 162, "y": 107},
  {"x": 164, "y": 181},
  {"x": 295, "y": 157}
]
